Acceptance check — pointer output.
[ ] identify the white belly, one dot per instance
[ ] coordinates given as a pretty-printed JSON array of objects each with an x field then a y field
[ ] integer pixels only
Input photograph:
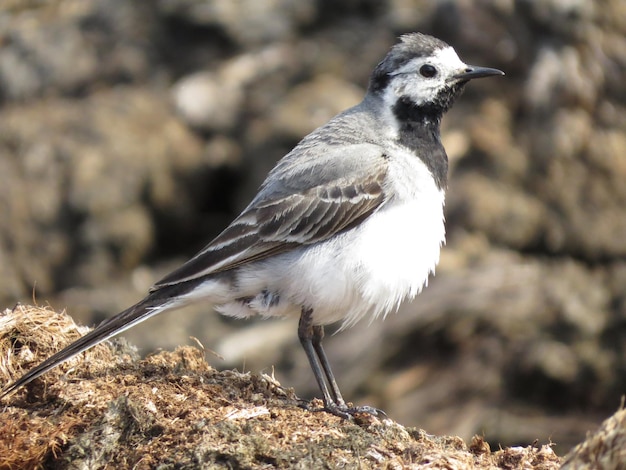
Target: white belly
[{"x": 396, "y": 252}]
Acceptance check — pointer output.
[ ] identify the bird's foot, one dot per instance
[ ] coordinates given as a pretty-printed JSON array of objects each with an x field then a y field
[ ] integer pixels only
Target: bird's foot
[
  {"x": 344, "y": 411},
  {"x": 352, "y": 412}
]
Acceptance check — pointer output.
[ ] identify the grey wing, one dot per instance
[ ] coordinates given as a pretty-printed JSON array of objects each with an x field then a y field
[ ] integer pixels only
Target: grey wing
[{"x": 280, "y": 218}]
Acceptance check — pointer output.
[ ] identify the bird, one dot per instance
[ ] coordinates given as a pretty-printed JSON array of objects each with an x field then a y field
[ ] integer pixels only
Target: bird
[{"x": 346, "y": 226}]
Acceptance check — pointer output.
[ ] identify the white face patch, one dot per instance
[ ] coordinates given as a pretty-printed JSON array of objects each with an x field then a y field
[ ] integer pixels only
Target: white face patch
[{"x": 408, "y": 81}]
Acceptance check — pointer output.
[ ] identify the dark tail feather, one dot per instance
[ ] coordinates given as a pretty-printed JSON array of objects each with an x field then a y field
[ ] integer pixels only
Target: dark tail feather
[{"x": 139, "y": 312}]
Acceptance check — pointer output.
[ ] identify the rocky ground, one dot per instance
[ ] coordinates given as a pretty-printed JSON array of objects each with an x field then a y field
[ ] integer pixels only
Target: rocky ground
[{"x": 132, "y": 132}]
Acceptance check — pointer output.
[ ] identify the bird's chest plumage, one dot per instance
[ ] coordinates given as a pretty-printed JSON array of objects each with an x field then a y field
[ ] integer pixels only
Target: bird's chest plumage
[{"x": 398, "y": 247}]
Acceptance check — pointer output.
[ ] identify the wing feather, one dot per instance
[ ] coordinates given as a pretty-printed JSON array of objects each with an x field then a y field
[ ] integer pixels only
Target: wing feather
[{"x": 273, "y": 225}]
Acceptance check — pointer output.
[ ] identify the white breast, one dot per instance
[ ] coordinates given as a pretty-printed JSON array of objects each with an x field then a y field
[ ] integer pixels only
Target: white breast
[{"x": 398, "y": 247}]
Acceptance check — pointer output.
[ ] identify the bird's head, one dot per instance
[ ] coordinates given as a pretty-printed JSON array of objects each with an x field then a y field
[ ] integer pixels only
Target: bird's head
[{"x": 425, "y": 73}]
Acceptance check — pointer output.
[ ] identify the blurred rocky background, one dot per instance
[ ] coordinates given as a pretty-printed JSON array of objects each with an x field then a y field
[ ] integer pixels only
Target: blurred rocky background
[{"x": 132, "y": 132}]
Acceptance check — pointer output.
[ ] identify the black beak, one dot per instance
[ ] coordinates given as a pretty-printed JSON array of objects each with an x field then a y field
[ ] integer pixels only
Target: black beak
[{"x": 477, "y": 72}]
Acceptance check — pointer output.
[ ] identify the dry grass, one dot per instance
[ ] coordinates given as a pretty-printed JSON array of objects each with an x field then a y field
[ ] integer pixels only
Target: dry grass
[
  {"x": 109, "y": 409},
  {"x": 604, "y": 449}
]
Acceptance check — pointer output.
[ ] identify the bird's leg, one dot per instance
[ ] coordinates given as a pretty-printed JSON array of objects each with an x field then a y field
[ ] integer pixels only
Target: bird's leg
[
  {"x": 306, "y": 334},
  {"x": 311, "y": 339},
  {"x": 318, "y": 335}
]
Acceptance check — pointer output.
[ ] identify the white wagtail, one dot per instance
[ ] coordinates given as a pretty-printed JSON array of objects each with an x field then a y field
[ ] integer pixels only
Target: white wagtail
[{"x": 347, "y": 225}]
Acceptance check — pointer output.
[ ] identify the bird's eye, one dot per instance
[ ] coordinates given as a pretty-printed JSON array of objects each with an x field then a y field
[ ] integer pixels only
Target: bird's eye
[{"x": 428, "y": 71}]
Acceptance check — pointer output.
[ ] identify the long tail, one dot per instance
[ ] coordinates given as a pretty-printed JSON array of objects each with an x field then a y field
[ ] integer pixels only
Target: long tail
[{"x": 155, "y": 303}]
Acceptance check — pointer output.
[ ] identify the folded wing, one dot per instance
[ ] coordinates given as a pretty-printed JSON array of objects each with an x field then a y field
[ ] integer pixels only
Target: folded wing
[{"x": 280, "y": 220}]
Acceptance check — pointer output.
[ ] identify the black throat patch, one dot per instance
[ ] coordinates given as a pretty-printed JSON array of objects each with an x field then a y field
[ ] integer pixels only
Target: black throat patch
[{"x": 419, "y": 132}]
